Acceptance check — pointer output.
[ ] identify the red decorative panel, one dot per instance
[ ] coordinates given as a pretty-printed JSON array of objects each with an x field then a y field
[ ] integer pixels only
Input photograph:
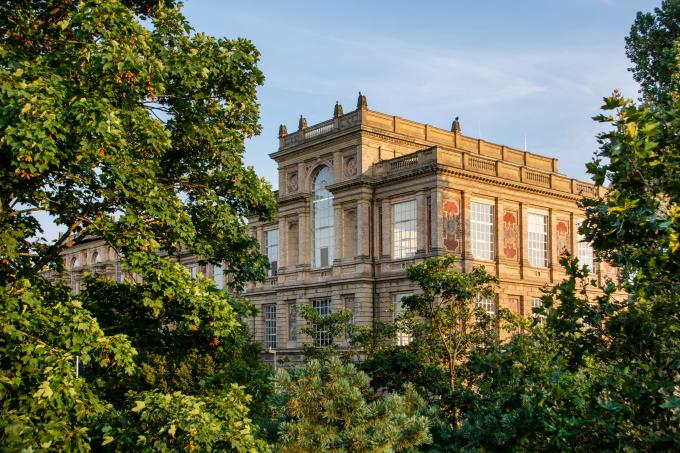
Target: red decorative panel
[
  {"x": 562, "y": 229},
  {"x": 510, "y": 234},
  {"x": 451, "y": 227}
]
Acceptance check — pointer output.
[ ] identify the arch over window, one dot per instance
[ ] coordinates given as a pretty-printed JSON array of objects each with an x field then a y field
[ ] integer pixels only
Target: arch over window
[
  {"x": 96, "y": 259},
  {"x": 323, "y": 227}
]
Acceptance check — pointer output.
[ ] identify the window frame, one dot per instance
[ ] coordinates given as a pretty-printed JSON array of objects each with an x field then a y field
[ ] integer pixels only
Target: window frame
[
  {"x": 409, "y": 233},
  {"x": 403, "y": 338},
  {"x": 585, "y": 249},
  {"x": 269, "y": 312},
  {"x": 476, "y": 230},
  {"x": 271, "y": 249},
  {"x": 323, "y": 237},
  {"x": 537, "y": 302},
  {"x": 533, "y": 252},
  {"x": 218, "y": 277},
  {"x": 488, "y": 304},
  {"x": 323, "y": 307}
]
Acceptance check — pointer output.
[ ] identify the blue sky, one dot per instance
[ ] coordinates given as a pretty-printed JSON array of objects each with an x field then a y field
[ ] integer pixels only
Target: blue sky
[{"x": 509, "y": 69}]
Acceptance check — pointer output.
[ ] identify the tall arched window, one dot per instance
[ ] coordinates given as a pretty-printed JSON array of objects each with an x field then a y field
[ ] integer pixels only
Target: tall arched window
[{"x": 322, "y": 218}]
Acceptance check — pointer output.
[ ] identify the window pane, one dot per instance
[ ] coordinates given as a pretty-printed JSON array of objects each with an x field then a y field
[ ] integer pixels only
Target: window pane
[
  {"x": 404, "y": 229},
  {"x": 323, "y": 308},
  {"x": 272, "y": 246},
  {"x": 269, "y": 326},
  {"x": 585, "y": 253},
  {"x": 403, "y": 337},
  {"x": 481, "y": 230},
  {"x": 218, "y": 276},
  {"x": 322, "y": 218},
  {"x": 537, "y": 235},
  {"x": 537, "y": 302},
  {"x": 487, "y": 304}
]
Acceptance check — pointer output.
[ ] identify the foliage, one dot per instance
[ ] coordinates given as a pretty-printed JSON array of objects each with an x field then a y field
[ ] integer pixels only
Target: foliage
[
  {"x": 183, "y": 340},
  {"x": 324, "y": 331},
  {"x": 605, "y": 372},
  {"x": 637, "y": 226},
  {"x": 44, "y": 403},
  {"x": 177, "y": 422},
  {"x": 329, "y": 406},
  {"x": 117, "y": 120},
  {"x": 451, "y": 320},
  {"x": 653, "y": 46}
]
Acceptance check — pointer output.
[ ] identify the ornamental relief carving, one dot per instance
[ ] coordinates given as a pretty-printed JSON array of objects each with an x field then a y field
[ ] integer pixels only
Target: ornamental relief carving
[
  {"x": 562, "y": 230},
  {"x": 350, "y": 166},
  {"x": 451, "y": 226},
  {"x": 510, "y": 234},
  {"x": 292, "y": 182}
]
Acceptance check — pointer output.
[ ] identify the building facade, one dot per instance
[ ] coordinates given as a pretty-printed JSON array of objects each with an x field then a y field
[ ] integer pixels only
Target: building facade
[{"x": 364, "y": 195}]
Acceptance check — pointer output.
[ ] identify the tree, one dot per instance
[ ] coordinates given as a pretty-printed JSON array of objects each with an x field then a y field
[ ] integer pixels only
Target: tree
[
  {"x": 134, "y": 133},
  {"x": 612, "y": 360},
  {"x": 330, "y": 406},
  {"x": 451, "y": 318},
  {"x": 324, "y": 331},
  {"x": 653, "y": 46}
]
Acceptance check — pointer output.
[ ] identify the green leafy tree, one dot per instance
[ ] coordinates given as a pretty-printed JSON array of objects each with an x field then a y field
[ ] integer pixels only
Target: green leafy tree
[
  {"x": 118, "y": 120},
  {"x": 330, "y": 406},
  {"x": 653, "y": 46},
  {"x": 446, "y": 313},
  {"x": 613, "y": 359},
  {"x": 324, "y": 331}
]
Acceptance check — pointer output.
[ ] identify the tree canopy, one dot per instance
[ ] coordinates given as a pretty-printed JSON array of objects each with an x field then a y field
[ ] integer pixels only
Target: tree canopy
[{"x": 118, "y": 120}]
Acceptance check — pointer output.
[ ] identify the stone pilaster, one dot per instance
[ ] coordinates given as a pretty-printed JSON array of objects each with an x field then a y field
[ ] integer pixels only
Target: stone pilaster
[
  {"x": 283, "y": 243},
  {"x": 421, "y": 220},
  {"x": 386, "y": 228},
  {"x": 338, "y": 221},
  {"x": 363, "y": 228}
]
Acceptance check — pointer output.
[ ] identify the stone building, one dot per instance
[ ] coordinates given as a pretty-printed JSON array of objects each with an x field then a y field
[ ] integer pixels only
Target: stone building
[{"x": 364, "y": 195}]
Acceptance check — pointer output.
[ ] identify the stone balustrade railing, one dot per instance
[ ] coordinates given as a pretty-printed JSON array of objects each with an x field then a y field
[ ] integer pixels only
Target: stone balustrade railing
[{"x": 484, "y": 165}]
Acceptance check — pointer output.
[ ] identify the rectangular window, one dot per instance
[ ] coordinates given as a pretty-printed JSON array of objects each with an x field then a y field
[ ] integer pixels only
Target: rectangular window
[
  {"x": 292, "y": 320},
  {"x": 193, "y": 270},
  {"x": 403, "y": 336},
  {"x": 586, "y": 256},
  {"x": 272, "y": 245},
  {"x": 350, "y": 304},
  {"x": 404, "y": 229},
  {"x": 323, "y": 308},
  {"x": 218, "y": 276},
  {"x": 120, "y": 276},
  {"x": 487, "y": 304},
  {"x": 269, "y": 326},
  {"x": 537, "y": 302},
  {"x": 481, "y": 230},
  {"x": 515, "y": 304},
  {"x": 537, "y": 233}
]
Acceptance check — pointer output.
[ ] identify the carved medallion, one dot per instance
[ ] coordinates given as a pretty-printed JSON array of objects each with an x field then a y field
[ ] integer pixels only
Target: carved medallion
[
  {"x": 292, "y": 182},
  {"x": 350, "y": 166}
]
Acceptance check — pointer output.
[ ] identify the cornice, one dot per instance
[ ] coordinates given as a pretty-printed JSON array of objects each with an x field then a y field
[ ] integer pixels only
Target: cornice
[
  {"x": 322, "y": 141},
  {"x": 443, "y": 169}
]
